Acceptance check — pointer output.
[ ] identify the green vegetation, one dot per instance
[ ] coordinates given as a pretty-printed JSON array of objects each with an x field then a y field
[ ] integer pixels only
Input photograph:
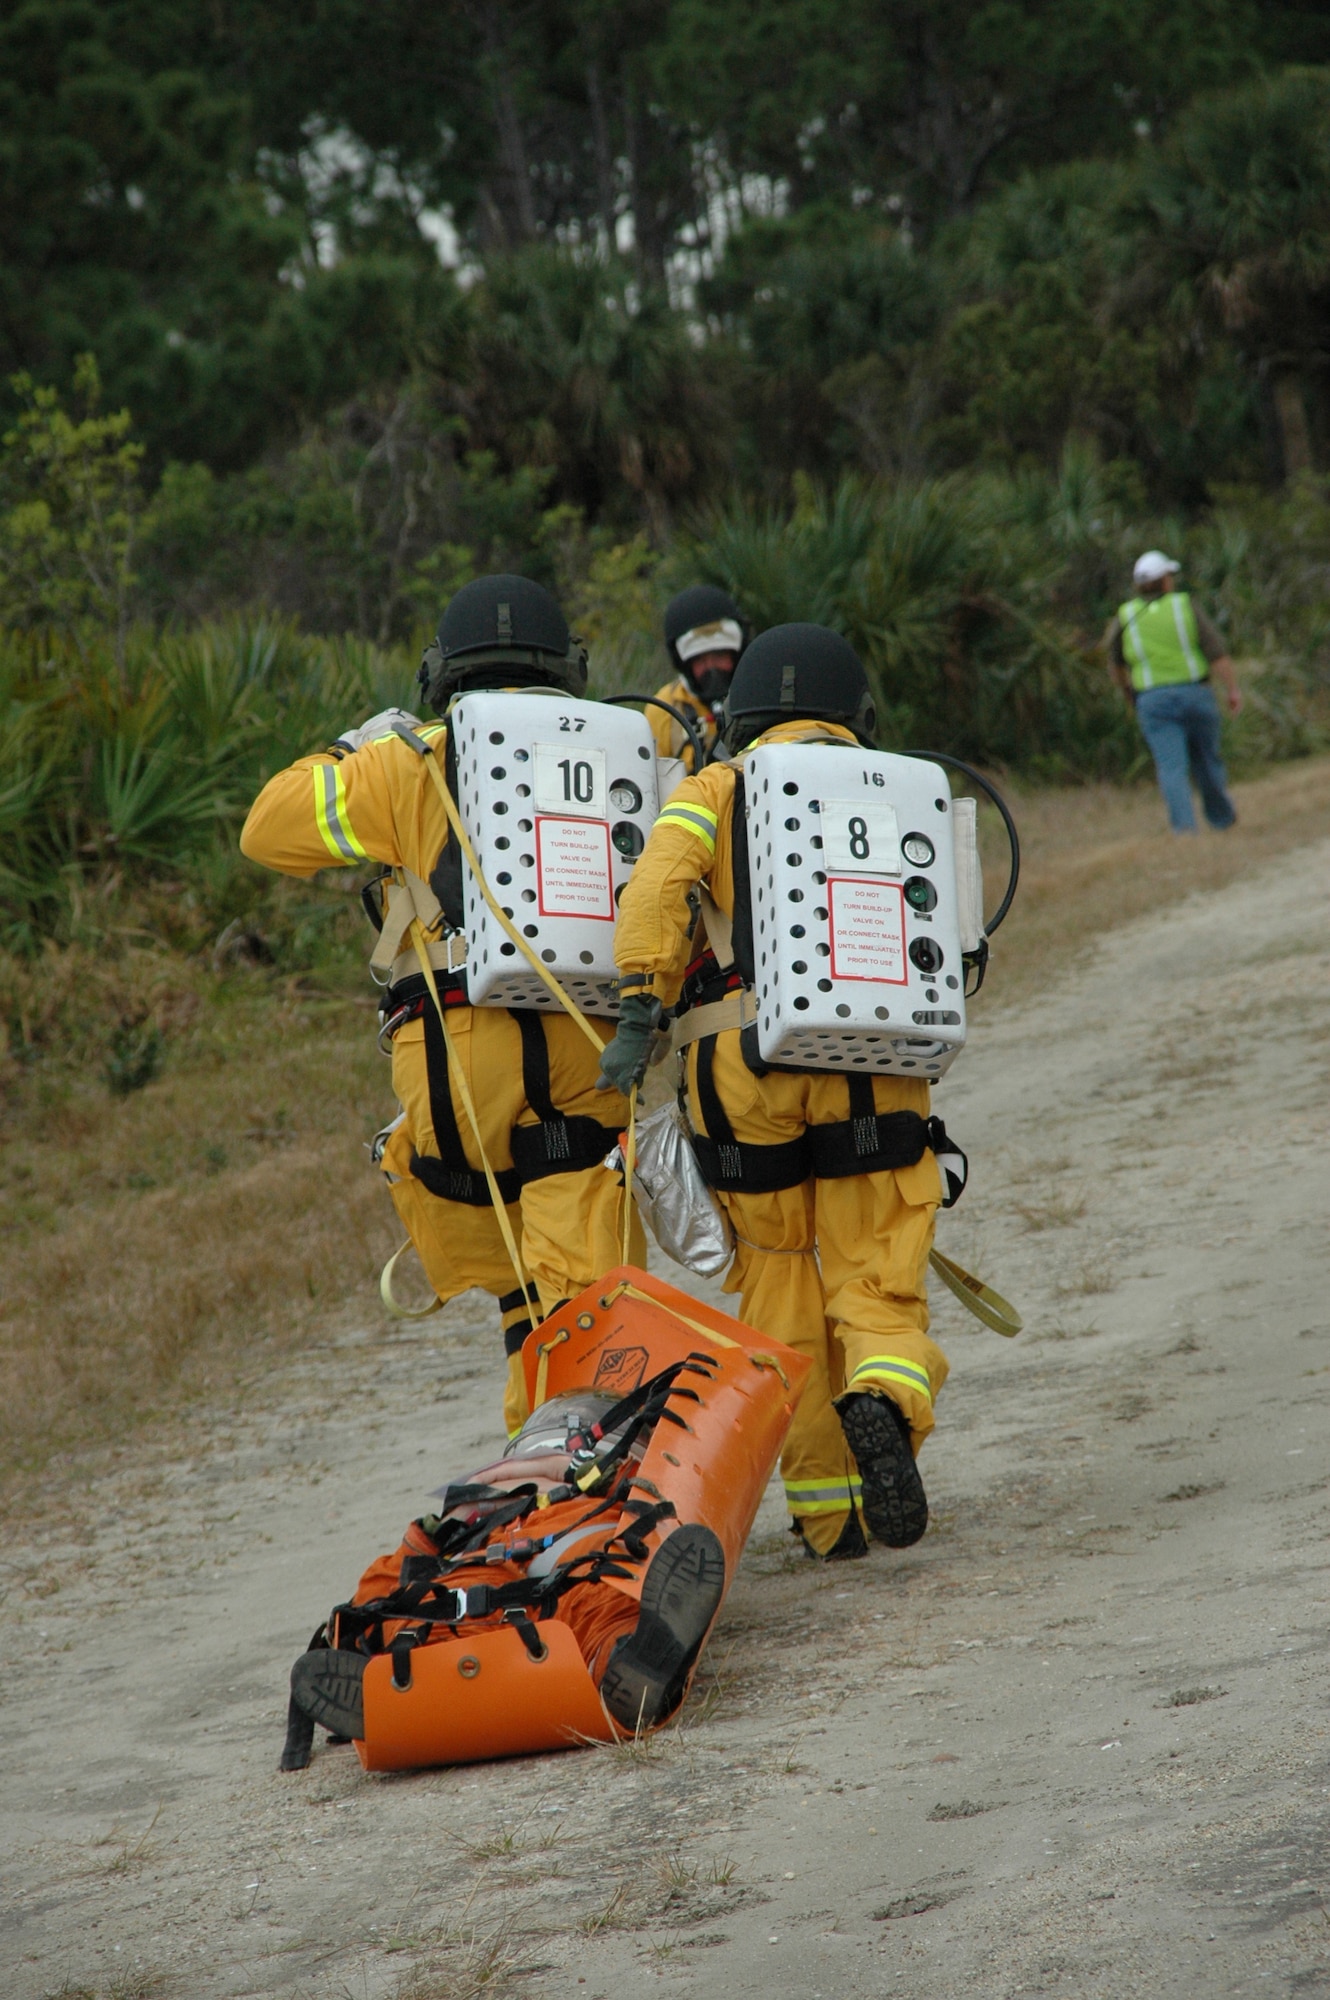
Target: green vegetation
[{"x": 919, "y": 320}]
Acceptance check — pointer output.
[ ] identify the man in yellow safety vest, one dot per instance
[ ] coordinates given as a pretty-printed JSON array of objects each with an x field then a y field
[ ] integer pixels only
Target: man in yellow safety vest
[{"x": 1163, "y": 654}]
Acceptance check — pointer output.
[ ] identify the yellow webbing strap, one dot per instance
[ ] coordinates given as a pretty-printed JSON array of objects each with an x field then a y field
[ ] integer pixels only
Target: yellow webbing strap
[
  {"x": 977, "y": 1297},
  {"x": 389, "y": 1297},
  {"x": 565, "y": 1000},
  {"x": 543, "y": 1353},
  {"x": 629, "y": 1167},
  {"x": 468, "y": 1105}
]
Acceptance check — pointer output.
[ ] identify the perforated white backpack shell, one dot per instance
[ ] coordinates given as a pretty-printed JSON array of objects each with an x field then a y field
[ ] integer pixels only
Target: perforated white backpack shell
[
  {"x": 858, "y": 917},
  {"x": 558, "y": 797}
]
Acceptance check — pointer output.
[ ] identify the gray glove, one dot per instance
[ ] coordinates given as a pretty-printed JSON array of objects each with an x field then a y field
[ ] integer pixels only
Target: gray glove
[
  {"x": 623, "y": 1062},
  {"x": 378, "y": 725}
]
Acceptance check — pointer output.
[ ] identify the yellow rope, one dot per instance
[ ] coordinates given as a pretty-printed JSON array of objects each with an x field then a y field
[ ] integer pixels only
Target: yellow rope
[
  {"x": 468, "y": 1104},
  {"x": 389, "y": 1297},
  {"x": 543, "y": 1353},
  {"x": 629, "y": 1167},
  {"x": 977, "y": 1297},
  {"x": 565, "y": 1000}
]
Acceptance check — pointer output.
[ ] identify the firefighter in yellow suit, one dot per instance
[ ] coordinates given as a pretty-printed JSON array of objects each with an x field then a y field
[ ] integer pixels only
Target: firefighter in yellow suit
[
  {"x": 704, "y": 637},
  {"x": 836, "y": 1265},
  {"x": 532, "y": 1075}
]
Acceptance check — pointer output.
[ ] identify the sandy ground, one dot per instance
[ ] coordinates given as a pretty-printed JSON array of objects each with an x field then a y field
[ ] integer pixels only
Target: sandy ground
[{"x": 1074, "y": 1744}]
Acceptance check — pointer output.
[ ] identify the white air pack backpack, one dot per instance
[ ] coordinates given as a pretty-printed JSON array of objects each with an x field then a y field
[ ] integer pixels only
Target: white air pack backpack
[
  {"x": 558, "y": 797},
  {"x": 865, "y": 886}
]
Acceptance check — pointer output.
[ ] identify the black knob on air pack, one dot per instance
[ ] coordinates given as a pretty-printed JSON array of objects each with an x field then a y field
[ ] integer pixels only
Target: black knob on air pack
[{"x": 926, "y": 953}]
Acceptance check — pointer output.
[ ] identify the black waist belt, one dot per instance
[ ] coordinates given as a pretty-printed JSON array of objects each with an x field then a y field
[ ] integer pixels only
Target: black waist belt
[
  {"x": 872, "y": 1142},
  {"x": 410, "y": 994},
  {"x": 557, "y": 1145},
  {"x": 867, "y": 1142},
  {"x": 464, "y": 1183}
]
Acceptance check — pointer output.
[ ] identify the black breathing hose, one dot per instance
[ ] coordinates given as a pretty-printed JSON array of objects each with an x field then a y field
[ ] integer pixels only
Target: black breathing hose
[
  {"x": 685, "y": 722},
  {"x": 975, "y": 777}
]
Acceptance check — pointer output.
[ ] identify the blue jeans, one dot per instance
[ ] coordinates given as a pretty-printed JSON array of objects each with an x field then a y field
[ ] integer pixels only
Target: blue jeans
[{"x": 1181, "y": 728}]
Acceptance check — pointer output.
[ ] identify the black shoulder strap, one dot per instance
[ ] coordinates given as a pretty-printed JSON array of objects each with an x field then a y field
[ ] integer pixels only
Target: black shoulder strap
[
  {"x": 742, "y": 939},
  {"x": 451, "y": 1176},
  {"x": 445, "y": 877}
]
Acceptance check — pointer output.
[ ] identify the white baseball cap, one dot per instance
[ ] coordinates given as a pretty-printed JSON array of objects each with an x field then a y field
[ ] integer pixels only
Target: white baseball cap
[
  {"x": 723, "y": 635},
  {"x": 1153, "y": 565}
]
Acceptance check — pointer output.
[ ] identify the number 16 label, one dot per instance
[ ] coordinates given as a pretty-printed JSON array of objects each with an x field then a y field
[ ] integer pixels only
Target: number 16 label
[
  {"x": 570, "y": 779},
  {"x": 860, "y": 837}
]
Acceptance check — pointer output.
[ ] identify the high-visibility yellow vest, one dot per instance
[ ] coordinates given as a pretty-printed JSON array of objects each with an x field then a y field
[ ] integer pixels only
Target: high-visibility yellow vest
[{"x": 1160, "y": 641}]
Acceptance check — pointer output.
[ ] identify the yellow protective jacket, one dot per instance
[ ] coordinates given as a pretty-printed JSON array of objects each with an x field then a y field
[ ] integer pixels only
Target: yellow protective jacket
[
  {"x": 670, "y": 738},
  {"x": 689, "y": 843},
  {"x": 334, "y": 811}
]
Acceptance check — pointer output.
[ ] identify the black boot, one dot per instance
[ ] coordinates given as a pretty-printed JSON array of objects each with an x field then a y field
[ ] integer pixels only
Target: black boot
[
  {"x": 895, "y": 1506},
  {"x": 327, "y": 1686},
  {"x": 681, "y": 1594},
  {"x": 848, "y": 1546}
]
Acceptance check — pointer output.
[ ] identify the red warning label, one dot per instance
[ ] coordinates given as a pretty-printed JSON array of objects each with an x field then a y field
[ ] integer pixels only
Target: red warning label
[
  {"x": 573, "y": 876},
  {"x": 867, "y": 930}
]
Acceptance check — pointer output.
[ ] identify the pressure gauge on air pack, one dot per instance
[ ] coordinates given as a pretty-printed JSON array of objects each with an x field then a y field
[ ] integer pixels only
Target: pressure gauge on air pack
[{"x": 918, "y": 850}]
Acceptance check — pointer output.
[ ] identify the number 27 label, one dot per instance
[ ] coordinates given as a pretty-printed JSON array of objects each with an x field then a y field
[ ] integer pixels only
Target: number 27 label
[
  {"x": 570, "y": 779},
  {"x": 860, "y": 837}
]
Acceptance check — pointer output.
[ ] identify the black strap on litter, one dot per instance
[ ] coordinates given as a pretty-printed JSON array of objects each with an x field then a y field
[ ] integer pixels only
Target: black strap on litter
[
  {"x": 557, "y": 1145},
  {"x": 425, "y": 1603},
  {"x": 726, "y": 1162},
  {"x": 451, "y": 1176},
  {"x": 870, "y": 1141}
]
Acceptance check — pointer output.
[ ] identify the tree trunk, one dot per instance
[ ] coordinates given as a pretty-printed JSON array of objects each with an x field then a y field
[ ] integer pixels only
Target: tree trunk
[
  {"x": 489, "y": 18},
  {"x": 1295, "y": 442},
  {"x": 649, "y": 239},
  {"x": 604, "y": 157}
]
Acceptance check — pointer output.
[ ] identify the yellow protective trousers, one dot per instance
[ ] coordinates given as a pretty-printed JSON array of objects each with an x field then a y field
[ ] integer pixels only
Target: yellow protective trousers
[
  {"x": 568, "y": 1224},
  {"x": 836, "y": 1269}
]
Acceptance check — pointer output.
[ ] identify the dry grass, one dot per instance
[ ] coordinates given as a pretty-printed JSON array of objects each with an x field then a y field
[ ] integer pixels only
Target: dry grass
[
  {"x": 1096, "y": 856},
  {"x": 169, "y": 1243},
  {"x": 159, "y": 1245}
]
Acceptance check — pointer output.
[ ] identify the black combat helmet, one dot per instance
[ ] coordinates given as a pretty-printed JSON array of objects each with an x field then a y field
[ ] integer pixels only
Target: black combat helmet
[
  {"x": 795, "y": 673},
  {"x": 501, "y": 631},
  {"x": 699, "y": 621}
]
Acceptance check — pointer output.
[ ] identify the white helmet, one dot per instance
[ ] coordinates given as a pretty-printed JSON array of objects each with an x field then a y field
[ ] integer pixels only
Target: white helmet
[{"x": 554, "y": 1425}]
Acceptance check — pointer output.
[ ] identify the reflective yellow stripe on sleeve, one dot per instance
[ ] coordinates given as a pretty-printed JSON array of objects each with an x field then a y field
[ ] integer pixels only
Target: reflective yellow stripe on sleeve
[
  {"x": 890, "y": 1371},
  {"x": 330, "y": 812},
  {"x": 820, "y": 1496},
  {"x": 694, "y": 819}
]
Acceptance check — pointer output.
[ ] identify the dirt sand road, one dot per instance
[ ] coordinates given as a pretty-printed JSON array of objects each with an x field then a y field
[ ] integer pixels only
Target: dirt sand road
[{"x": 1074, "y": 1744}]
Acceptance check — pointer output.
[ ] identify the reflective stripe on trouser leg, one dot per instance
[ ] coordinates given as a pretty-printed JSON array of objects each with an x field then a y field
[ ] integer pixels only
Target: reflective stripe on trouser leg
[
  {"x": 905, "y": 1366},
  {"x": 904, "y": 1382},
  {"x": 874, "y": 1233},
  {"x": 782, "y": 1292},
  {"x": 814, "y": 1496}
]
